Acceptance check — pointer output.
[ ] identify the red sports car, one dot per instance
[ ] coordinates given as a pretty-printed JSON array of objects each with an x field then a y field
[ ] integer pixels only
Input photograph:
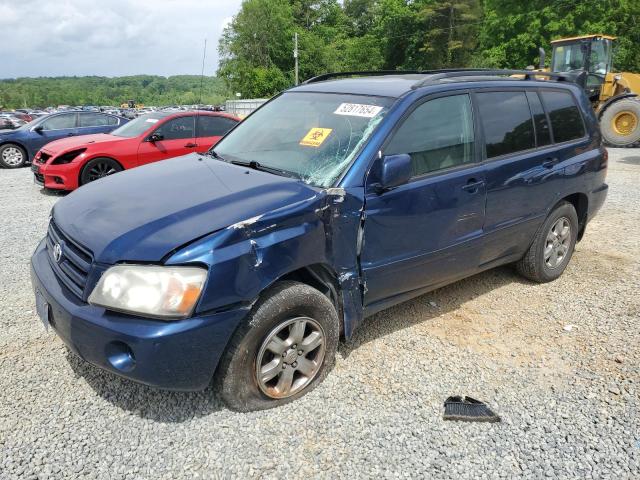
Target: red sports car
[{"x": 71, "y": 162}]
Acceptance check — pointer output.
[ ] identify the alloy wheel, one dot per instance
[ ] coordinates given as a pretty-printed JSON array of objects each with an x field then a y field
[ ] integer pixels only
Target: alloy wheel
[
  {"x": 290, "y": 357},
  {"x": 12, "y": 156},
  {"x": 558, "y": 243},
  {"x": 100, "y": 170}
]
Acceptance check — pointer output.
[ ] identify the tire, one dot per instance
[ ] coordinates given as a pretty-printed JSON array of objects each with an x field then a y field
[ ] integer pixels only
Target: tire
[
  {"x": 620, "y": 123},
  {"x": 279, "y": 313},
  {"x": 98, "y": 168},
  {"x": 535, "y": 265},
  {"x": 12, "y": 156}
]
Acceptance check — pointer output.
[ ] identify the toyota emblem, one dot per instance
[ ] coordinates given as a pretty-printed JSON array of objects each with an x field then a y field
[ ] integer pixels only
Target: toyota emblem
[{"x": 57, "y": 252}]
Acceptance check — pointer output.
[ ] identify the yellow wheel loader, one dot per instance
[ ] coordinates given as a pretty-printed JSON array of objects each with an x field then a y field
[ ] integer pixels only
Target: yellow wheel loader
[{"x": 615, "y": 95}]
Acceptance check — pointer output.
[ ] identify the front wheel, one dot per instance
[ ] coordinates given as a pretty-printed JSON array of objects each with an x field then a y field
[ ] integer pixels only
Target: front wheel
[
  {"x": 12, "y": 156},
  {"x": 98, "y": 168},
  {"x": 552, "y": 247},
  {"x": 284, "y": 349}
]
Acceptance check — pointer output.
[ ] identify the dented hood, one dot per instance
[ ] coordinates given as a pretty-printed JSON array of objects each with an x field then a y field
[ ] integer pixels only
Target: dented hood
[{"x": 145, "y": 213}]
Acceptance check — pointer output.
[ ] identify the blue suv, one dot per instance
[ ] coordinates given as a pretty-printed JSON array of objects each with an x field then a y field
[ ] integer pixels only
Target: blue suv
[{"x": 335, "y": 200}]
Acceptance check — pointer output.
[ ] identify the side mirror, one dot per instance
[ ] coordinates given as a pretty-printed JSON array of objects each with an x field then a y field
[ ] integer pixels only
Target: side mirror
[
  {"x": 155, "y": 137},
  {"x": 38, "y": 128},
  {"x": 396, "y": 170}
]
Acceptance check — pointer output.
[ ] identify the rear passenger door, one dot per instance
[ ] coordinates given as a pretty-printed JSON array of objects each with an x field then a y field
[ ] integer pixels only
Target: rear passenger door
[
  {"x": 210, "y": 129},
  {"x": 523, "y": 174},
  {"x": 427, "y": 231}
]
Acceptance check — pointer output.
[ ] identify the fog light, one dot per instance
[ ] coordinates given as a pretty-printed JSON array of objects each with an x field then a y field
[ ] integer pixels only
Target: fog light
[
  {"x": 58, "y": 180},
  {"x": 120, "y": 356}
]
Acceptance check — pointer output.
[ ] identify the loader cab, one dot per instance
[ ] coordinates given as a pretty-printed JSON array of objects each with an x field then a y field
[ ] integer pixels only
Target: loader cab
[{"x": 591, "y": 54}]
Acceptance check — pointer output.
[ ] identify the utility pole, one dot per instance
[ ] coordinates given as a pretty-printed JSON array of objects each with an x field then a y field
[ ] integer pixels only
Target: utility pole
[{"x": 295, "y": 54}]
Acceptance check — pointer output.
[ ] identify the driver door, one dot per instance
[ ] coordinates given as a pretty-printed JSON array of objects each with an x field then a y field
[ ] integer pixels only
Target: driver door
[{"x": 175, "y": 137}]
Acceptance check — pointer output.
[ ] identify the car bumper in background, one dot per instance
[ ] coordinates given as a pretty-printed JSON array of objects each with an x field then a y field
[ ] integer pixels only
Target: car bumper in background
[{"x": 173, "y": 355}]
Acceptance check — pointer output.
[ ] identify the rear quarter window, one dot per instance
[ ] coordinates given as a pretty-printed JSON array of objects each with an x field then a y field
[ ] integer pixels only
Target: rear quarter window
[{"x": 566, "y": 120}]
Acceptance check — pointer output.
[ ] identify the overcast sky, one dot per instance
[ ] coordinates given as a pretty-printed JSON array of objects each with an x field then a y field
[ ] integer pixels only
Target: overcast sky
[{"x": 110, "y": 37}]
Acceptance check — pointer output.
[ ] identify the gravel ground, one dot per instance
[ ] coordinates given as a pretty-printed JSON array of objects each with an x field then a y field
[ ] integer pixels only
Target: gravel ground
[{"x": 568, "y": 396}]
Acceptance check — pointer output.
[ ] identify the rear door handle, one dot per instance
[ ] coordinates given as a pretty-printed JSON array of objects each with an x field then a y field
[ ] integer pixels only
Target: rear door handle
[
  {"x": 550, "y": 162},
  {"x": 190, "y": 145},
  {"x": 473, "y": 185},
  {"x": 70, "y": 134}
]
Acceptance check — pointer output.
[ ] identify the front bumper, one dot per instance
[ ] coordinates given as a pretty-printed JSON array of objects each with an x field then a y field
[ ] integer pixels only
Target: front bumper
[
  {"x": 172, "y": 355},
  {"x": 56, "y": 177}
]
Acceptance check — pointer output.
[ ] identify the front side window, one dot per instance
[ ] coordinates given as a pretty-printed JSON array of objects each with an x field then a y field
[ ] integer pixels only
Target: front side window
[
  {"x": 567, "y": 58},
  {"x": 565, "y": 117},
  {"x": 437, "y": 135},
  {"x": 60, "y": 122},
  {"x": 506, "y": 120},
  {"x": 178, "y": 128},
  {"x": 312, "y": 136},
  {"x": 212, "y": 126}
]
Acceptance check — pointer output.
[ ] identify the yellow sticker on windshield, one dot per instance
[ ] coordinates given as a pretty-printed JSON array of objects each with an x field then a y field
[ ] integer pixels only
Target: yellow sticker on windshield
[{"x": 315, "y": 137}]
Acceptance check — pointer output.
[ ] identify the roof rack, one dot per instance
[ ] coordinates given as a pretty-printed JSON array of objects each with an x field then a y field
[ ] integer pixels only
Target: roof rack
[
  {"x": 366, "y": 73},
  {"x": 433, "y": 76},
  {"x": 437, "y": 75}
]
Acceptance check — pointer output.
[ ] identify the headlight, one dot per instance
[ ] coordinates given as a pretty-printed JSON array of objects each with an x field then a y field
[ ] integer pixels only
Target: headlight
[
  {"x": 156, "y": 291},
  {"x": 68, "y": 157}
]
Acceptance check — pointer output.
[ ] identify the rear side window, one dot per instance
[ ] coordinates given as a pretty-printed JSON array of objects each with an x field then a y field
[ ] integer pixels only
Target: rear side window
[
  {"x": 543, "y": 133},
  {"x": 565, "y": 117},
  {"x": 507, "y": 123},
  {"x": 210, "y": 126},
  {"x": 96, "y": 120},
  {"x": 437, "y": 135}
]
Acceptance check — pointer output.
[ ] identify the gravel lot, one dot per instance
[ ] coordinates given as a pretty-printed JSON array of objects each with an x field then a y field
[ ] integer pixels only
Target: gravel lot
[{"x": 568, "y": 396}]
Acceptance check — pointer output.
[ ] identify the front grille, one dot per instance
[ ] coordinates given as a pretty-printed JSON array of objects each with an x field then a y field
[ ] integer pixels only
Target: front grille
[
  {"x": 72, "y": 268},
  {"x": 43, "y": 157}
]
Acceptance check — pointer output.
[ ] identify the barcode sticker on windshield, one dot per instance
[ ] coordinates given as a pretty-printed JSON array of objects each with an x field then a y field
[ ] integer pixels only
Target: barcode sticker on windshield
[
  {"x": 152, "y": 120},
  {"x": 358, "y": 110}
]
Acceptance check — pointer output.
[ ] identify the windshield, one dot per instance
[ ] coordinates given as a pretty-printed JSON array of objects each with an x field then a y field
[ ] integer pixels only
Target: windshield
[
  {"x": 138, "y": 125},
  {"x": 313, "y": 136}
]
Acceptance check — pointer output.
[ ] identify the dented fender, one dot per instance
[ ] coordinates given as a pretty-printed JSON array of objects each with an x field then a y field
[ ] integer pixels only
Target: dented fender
[{"x": 247, "y": 257}]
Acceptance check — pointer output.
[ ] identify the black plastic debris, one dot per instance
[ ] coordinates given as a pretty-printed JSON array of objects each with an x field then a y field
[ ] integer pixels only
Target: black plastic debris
[{"x": 467, "y": 409}]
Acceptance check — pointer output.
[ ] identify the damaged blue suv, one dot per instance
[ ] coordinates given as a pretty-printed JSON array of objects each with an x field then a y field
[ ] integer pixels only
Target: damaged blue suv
[{"x": 337, "y": 199}]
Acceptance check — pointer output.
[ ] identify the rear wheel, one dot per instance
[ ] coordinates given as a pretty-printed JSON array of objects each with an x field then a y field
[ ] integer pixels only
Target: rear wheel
[
  {"x": 99, "y": 168},
  {"x": 552, "y": 247},
  {"x": 12, "y": 156},
  {"x": 284, "y": 349},
  {"x": 620, "y": 123}
]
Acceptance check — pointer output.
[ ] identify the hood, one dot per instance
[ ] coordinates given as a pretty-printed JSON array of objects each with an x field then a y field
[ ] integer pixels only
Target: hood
[
  {"x": 144, "y": 213},
  {"x": 71, "y": 143}
]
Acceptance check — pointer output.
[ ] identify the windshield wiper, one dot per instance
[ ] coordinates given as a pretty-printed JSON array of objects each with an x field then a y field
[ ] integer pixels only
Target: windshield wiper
[
  {"x": 214, "y": 154},
  {"x": 263, "y": 168}
]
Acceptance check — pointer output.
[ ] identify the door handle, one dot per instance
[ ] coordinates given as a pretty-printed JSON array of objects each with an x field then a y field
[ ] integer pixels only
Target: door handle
[
  {"x": 70, "y": 134},
  {"x": 550, "y": 162},
  {"x": 190, "y": 145},
  {"x": 473, "y": 185}
]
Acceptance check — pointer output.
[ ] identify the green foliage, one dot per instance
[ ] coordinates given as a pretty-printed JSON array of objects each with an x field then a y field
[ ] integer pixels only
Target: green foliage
[
  {"x": 513, "y": 30},
  {"x": 149, "y": 90},
  {"x": 256, "y": 49}
]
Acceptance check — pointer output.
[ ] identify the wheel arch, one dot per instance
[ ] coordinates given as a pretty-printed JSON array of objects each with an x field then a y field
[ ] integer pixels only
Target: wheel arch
[
  {"x": 580, "y": 202},
  {"x": 95, "y": 157},
  {"x": 323, "y": 278}
]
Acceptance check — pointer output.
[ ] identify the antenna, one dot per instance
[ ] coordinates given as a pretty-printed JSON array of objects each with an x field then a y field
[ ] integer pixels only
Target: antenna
[{"x": 195, "y": 118}]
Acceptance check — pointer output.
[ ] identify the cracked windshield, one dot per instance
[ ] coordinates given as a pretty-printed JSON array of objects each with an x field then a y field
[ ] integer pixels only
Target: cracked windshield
[{"x": 311, "y": 136}]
